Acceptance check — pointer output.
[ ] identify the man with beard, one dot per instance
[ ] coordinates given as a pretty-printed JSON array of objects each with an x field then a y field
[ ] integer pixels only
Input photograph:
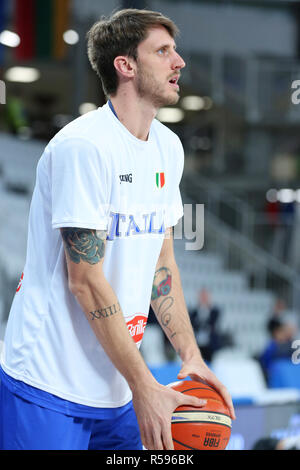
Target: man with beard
[{"x": 100, "y": 238}]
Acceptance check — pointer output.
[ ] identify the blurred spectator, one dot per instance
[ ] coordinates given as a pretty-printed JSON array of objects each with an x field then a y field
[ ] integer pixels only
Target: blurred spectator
[
  {"x": 281, "y": 217},
  {"x": 169, "y": 351},
  {"x": 205, "y": 322},
  {"x": 280, "y": 312},
  {"x": 284, "y": 168},
  {"x": 288, "y": 218},
  {"x": 16, "y": 116},
  {"x": 266, "y": 443},
  {"x": 294, "y": 253},
  {"x": 42, "y": 118},
  {"x": 273, "y": 213},
  {"x": 273, "y": 443},
  {"x": 279, "y": 309},
  {"x": 279, "y": 347}
]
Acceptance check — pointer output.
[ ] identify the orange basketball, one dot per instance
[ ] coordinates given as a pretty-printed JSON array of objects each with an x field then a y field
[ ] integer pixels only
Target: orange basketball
[{"x": 205, "y": 428}]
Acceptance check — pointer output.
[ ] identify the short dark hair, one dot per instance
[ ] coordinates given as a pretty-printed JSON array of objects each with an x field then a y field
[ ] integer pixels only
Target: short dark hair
[
  {"x": 266, "y": 443},
  {"x": 274, "y": 325},
  {"x": 120, "y": 34}
]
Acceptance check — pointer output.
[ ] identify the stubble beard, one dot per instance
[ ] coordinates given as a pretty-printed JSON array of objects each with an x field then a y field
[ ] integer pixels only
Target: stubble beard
[{"x": 153, "y": 91}]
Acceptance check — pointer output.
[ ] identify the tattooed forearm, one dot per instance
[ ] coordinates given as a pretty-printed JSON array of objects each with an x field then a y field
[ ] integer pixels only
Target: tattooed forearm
[
  {"x": 105, "y": 312},
  {"x": 162, "y": 283},
  {"x": 84, "y": 244},
  {"x": 165, "y": 316}
]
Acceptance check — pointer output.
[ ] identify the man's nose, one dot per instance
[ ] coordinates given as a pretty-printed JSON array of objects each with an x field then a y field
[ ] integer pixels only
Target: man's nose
[{"x": 178, "y": 62}]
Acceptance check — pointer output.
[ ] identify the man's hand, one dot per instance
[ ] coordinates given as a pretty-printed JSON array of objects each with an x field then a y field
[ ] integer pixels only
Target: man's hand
[
  {"x": 196, "y": 369},
  {"x": 154, "y": 406}
]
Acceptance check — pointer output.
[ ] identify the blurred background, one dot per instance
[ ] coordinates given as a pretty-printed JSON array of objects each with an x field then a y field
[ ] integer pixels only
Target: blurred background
[{"x": 239, "y": 124}]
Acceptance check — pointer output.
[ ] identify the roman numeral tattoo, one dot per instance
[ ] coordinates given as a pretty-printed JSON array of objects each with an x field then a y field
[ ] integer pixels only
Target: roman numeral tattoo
[
  {"x": 84, "y": 244},
  {"x": 105, "y": 312}
]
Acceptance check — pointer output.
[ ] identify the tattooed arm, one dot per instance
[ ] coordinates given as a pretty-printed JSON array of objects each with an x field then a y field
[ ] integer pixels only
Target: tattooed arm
[
  {"x": 153, "y": 403},
  {"x": 85, "y": 251},
  {"x": 169, "y": 306}
]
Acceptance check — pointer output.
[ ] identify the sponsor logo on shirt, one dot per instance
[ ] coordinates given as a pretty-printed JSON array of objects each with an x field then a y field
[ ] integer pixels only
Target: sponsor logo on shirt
[
  {"x": 126, "y": 178},
  {"x": 20, "y": 283},
  {"x": 136, "y": 326}
]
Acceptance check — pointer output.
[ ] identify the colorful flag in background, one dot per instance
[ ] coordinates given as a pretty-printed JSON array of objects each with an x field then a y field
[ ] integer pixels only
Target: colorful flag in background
[
  {"x": 3, "y": 20},
  {"x": 40, "y": 25},
  {"x": 24, "y": 27},
  {"x": 61, "y": 24}
]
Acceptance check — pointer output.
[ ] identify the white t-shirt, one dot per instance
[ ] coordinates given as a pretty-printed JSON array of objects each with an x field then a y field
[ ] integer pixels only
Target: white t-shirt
[{"x": 93, "y": 174}]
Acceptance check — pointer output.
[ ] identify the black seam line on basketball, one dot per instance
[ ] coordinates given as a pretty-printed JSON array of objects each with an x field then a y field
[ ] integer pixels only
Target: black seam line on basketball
[
  {"x": 184, "y": 445},
  {"x": 198, "y": 388},
  {"x": 200, "y": 411},
  {"x": 201, "y": 422}
]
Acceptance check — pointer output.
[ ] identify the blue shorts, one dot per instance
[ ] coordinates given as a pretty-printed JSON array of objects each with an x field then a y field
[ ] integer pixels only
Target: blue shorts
[{"x": 27, "y": 426}]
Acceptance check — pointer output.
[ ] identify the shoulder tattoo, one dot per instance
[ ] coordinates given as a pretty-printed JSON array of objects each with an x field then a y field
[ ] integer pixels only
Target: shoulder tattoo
[{"x": 84, "y": 244}]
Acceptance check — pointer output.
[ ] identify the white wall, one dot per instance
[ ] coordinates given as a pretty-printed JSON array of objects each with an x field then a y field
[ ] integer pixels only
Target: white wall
[
  {"x": 87, "y": 9},
  {"x": 231, "y": 28},
  {"x": 219, "y": 28}
]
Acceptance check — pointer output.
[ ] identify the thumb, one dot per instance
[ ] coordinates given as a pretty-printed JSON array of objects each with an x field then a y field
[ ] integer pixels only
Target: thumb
[
  {"x": 183, "y": 373},
  {"x": 192, "y": 401}
]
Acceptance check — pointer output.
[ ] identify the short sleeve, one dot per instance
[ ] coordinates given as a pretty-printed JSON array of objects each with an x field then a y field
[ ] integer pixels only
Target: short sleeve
[
  {"x": 79, "y": 185},
  {"x": 175, "y": 210}
]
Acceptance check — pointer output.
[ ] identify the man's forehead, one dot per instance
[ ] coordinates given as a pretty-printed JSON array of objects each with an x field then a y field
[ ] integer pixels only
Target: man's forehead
[{"x": 158, "y": 36}]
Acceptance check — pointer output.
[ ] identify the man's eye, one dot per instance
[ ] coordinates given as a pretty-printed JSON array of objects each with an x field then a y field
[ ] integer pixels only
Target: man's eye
[{"x": 162, "y": 51}]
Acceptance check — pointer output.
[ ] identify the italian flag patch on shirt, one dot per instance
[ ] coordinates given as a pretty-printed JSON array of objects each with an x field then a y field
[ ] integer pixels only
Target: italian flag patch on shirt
[{"x": 160, "y": 180}]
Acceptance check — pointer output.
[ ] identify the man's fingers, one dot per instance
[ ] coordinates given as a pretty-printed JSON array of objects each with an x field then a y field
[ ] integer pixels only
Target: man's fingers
[
  {"x": 146, "y": 437},
  {"x": 192, "y": 401},
  {"x": 167, "y": 437},
  {"x": 214, "y": 382},
  {"x": 160, "y": 438},
  {"x": 157, "y": 439},
  {"x": 229, "y": 403},
  {"x": 230, "y": 406},
  {"x": 182, "y": 374},
  {"x": 226, "y": 396}
]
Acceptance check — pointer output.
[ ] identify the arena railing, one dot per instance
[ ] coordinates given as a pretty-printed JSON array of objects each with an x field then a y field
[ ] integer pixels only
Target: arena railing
[{"x": 229, "y": 225}]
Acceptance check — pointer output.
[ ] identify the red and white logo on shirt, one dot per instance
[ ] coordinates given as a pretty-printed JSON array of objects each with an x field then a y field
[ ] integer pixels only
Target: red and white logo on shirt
[
  {"x": 136, "y": 326},
  {"x": 20, "y": 283}
]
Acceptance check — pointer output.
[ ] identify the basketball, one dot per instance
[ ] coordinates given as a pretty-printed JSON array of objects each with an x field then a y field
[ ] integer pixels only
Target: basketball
[{"x": 203, "y": 428}]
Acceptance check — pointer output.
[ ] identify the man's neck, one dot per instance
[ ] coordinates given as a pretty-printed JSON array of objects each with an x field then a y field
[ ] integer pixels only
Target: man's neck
[{"x": 134, "y": 113}]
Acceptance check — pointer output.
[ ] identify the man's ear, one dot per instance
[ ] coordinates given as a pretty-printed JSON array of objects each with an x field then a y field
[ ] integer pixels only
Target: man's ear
[{"x": 125, "y": 66}]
